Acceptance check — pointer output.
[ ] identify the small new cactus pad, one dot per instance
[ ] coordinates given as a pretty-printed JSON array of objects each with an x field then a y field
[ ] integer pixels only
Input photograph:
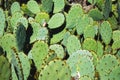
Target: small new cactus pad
[
  {"x": 15, "y": 7},
  {"x": 39, "y": 52},
  {"x": 89, "y": 32},
  {"x": 81, "y": 61},
  {"x": 82, "y": 23},
  {"x": 47, "y": 5},
  {"x": 64, "y": 41},
  {"x": 33, "y": 6},
  {"x": 42, "y": 18},
  {"x": 20, "y": 36},
  {"x": 105, "y": 65},
  {"x": 99, "y": 49},
  {"x": 116, "y": 45},
  {"x": 2, "y": 22},
  {"x": 116, "y": 35},
  {"x": 115, "y": 74},
  {"x": 57, "y": 37},
  {"x": 106, "y": 32},
  {"x": 74, "y": 13},
  {"x": 94, "y": 14},
  {"x": 56, "y": 21},
  {"x": 25, "y": 64},
  {"x": 5, "y": 71},
  {"x": 58, "y": 50},
  {"x": 89, "y": 44},
  {"x": 73, "y": 44},
  {"x": 7, "y": 42},
  {"x": 55, "y": 70},
  {"x": 58, "y": 5}
]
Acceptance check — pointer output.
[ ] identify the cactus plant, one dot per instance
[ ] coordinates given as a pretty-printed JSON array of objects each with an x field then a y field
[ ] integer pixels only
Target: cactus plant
[
  {"x": 55, "y": 67},
  {"x": 105, "y": 65},
  {"x": 20, "y": 36},
  {"x": 47, "y": 5},
  {"x": 42, "y": 17},
  {"x": 73, "y": 44},
  {"x": 106, "y": 32},
  {"x": 5, "y": 71},
  {"x": 58, "y": 5},
  {"x": 90, "y": 44},
  {"x": 58, "y": 49},
  {"x": 56, "y": 21},
  {"x": 73, "y": 15},
  {"x": 39, "y": 52},
  {"x": 33, "y": 6},
  {"x": 116, "y": 35},
  {"x": 2, "y": 22},
  {"x": 15, "y": 7},
  {"x": 24, "y": 21},
  {"x": 81, "y": 61}
]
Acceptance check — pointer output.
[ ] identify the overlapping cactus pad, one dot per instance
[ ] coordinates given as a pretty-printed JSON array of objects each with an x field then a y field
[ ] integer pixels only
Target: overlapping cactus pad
[{"x": 59, "y": 39}]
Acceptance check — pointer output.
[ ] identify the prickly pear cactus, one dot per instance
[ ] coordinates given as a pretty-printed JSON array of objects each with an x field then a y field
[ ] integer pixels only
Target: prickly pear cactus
[
  {"x": 73, "y": 44},
  {"x": 60, "y": 39},
  {"x": 55, "y": 70},
  {"x": 2, "y": 22},
  {"x": 106, "y": 32},
  {"x": 5, "y": 71},
  {"x": 81, "y": 61},
  {"x": 39, "y": 52}
]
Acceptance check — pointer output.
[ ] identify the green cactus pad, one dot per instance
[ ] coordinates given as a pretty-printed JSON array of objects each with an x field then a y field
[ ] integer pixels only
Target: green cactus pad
[
  {"x": 64, "y": 41},
  {"x": 39, "y": 33},
  {"x": 7, "y": 42},
  {"x": 58, "y": 50},
  {"x": 20, "y": 36},
  {"x": 15, "y": 7},
  {"x": 57, "y": 37},
  {"x": 2, "y": 22},
  {"x": 39, "y": 52},
  {"x": 74, "y": 13},
  {"x": 14, "y": 19},
  {"x": 89, "y": 32},
  {"x": 24, "y": 21},
  {"x": 58, "y": 5},
  {"x": 90, "y": 44},
  {"x": 116, "y": 35},
  {"x": 73, "y": 44},
  {"x": 25, "y": 64},
  {"x": 81, "y": 61},
  {"x": 56, "y": 21},
  {"x": 55, "y": 70},
  {"x": 33, "y": 6},
  {"x": 106, "y": 32},
  {"x": 107, "y": 8},
  {"x": 42, "y": 17},
  {"x": 99, "y": 49},
  {"x": 82, "y": 23},
  {"x": 105, "y": 65},
  {"x": 47, "y": 5},
  {"x": 115, "y": 74},
  {"x": 94, "y": 14},
  {"x": 116, "y": 45},
  {"x": 5, "y": 71}
]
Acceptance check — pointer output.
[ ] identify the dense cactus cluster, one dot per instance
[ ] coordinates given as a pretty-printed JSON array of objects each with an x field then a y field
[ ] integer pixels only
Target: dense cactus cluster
[{"x": 60, "y": 40}]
